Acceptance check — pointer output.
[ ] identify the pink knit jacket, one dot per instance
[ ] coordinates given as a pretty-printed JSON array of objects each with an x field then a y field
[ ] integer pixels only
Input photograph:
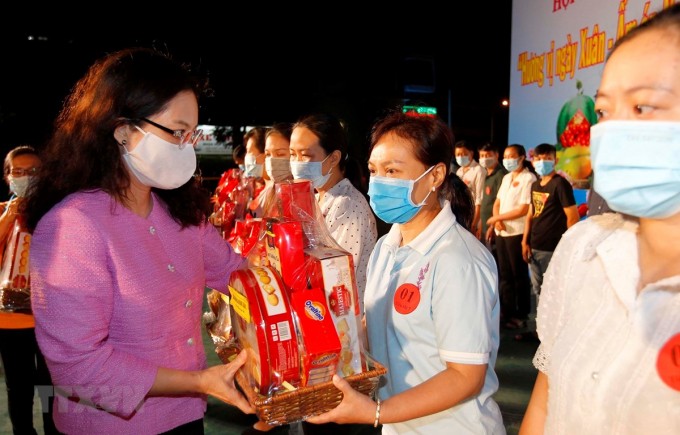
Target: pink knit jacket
[{"x": 115, "y": 296}]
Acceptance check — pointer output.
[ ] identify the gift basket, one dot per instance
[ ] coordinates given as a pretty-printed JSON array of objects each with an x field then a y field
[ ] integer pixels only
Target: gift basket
[
  {"x": 295, "y": 311},
  {"x": 15, "y": 294}
]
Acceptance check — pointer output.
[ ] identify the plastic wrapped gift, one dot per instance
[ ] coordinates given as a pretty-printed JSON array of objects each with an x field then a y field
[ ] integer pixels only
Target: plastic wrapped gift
[
  {"x": 303, "y": 292},
  {"x": 15, "y": 281}
]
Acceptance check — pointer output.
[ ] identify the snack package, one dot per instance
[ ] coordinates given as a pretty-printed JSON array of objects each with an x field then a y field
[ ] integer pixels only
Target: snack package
[
  {"x": 15, "y": 281},
  {"x": 325, "y": 265},
  {"x": 263, "y": 324},
  {"x": 319, "y": 343},
  {"x": 332, "y": 270}
]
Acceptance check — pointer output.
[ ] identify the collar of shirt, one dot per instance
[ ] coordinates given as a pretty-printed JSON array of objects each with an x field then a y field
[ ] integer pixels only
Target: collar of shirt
[
  {"x": 617, "y": 248},
  {"x": 444, "y": 220}
]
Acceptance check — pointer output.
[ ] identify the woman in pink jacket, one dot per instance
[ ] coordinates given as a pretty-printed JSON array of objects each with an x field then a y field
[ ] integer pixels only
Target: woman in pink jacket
[{"x": 122, "y": 253}]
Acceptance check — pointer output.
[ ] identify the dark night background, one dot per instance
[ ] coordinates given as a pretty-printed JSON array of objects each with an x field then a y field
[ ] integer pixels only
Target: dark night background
[{"x": 278, "y": 64}]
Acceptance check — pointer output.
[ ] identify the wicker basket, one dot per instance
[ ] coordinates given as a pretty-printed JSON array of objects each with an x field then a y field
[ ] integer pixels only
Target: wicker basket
[{"x": 290, "y": 406}]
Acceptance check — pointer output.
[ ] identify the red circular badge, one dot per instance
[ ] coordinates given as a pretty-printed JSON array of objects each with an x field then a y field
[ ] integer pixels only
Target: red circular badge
[
  {"x": 488, "y": 190},
  {"x": 668, "y": 362},
  {"x": 406, "y": 298}
]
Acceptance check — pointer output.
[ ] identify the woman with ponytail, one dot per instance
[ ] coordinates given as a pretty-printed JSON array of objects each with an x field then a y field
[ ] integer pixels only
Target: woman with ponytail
[
  {"x": 431, "y": 296},
  {"x": 508, "y": 221}
]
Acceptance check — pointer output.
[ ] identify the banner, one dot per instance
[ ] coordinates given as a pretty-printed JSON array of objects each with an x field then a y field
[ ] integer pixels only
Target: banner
[{"x": 558, "y": 51}]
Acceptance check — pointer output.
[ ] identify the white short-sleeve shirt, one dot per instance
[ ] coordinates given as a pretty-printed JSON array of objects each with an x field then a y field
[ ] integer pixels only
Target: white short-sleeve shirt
[
  {"x": 473, "y": 176},
  {"x": 611, "y": 354},
  {"x": 512, "y": 194},
  {"x": 433, "y": 301},
  {"x": 351, "y": 223}
]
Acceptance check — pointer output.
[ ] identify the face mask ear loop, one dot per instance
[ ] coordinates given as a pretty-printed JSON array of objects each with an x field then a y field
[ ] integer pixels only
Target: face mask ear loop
[{"x": 412, "y": 185}]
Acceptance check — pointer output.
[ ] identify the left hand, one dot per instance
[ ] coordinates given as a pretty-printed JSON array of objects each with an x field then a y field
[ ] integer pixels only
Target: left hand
[{"x": 354, "y": 408}]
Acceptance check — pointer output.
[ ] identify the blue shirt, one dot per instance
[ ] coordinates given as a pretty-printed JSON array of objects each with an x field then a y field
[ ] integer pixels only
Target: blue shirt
[{"x": 430, "y": 302}]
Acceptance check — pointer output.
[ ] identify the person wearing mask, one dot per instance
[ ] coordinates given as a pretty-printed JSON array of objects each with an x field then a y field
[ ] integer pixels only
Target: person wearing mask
[
  {"x": 608, "y": 314},
  {"x": 22, "y": 361},
  {"x": 318, "y": 152},
  {"x": 122, "y": 252},
  {"x": 432, "y": 294},
  {"x": 254, "y": 176},
  {"x": 473, "y": 175},
  {"x": 277, "y": 167},
  {"x": 551, "y": 212},
  {"x": 239, "y": 156},
  {"x": 276, "y": 163},
  {"x": 508, "y": 220},
  {"x": 488, "y": 159}
]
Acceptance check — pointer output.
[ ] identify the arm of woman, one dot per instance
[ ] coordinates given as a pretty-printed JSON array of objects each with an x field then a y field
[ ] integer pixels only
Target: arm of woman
[
  {"x": 217, "y": 381},
  {"x": 534, "y": 418},
  {"x": 442, "y": 391},
  {"x": 509, "y": 215}
]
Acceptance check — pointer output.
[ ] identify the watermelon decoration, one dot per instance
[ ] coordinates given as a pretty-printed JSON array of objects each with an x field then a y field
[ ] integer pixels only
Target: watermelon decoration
[
  {"x": 575, "y": 119},
  {"x": 573, "y": 138}
]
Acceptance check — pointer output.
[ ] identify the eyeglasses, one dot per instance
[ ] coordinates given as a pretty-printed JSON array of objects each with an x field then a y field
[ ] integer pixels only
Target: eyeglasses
[
  {"x": 185, "y": 137},
  {"x": 18, "y": 172}
]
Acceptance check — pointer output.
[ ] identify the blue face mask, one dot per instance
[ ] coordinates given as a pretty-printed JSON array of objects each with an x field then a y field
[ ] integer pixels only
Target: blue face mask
[
  {"x": 647, "y": 187},
  {"x": 253, "y": 169},
  {"x": 463, "y": 160},
  {"x": 511, "y": 164},
  {"x": 544, "y": 167},
  {"x": 390, "y": 198}
]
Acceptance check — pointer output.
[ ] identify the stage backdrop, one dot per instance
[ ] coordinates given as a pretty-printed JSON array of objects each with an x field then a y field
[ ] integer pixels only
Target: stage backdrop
[{"x": 558, "y": 52}]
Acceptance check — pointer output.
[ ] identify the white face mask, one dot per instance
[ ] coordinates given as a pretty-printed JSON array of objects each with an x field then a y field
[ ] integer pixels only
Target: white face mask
[
  {"x": 312, "y": 171},
  {"x": 19, "y": 185},
  {"x": 487, "y": 162},
  {"x": 277, "y": 168},
  {"x": 159, "y": 163},
  {"x": 252, "y": 169}
]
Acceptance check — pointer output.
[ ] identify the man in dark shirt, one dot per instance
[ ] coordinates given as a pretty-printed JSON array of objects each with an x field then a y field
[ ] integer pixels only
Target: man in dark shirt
[
  {"x": 551, "y": 212},
  {"x": 488, "y": 159}
]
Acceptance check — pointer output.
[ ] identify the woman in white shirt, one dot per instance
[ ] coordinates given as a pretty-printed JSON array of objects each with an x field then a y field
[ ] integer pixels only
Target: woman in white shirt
[
  {"x": 318, "y": 152},
  {"x": 509, "y": 215},
  {"x": 609, "y": 313},
  {"x": 432, "y": 293}
]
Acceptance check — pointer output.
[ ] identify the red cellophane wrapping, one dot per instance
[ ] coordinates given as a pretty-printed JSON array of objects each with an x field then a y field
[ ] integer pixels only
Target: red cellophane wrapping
[{"x": 298, "y": 276}]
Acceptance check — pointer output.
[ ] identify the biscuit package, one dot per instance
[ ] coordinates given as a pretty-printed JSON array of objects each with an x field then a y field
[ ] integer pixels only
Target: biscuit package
[
  {"x": 263, "y": 324},
  {"x": 15, "y": 280}
]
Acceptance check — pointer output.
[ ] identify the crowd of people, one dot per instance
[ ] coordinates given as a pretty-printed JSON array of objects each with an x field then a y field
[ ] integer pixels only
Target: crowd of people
[{"x": 125, "y": 241}]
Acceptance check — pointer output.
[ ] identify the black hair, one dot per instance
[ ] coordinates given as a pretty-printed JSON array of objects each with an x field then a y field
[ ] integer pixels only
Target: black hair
[
  {"x": 668, "y": 18},
  {"x": 258, "y": 134},
  {"x": 521, "y": 151},
  {"x": 545, "y": 149},
  {"x": 21, "y": 150},
  {"x": 83, "y": 154},
  {"x": 332, "y": 136},
  {"x": 432, "y": 142}
]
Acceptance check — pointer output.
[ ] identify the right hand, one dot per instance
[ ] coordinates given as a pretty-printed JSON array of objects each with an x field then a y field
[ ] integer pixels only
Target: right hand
[
  {"x": 354, "y": 407},
  {"x": 218, "y": 381},
  {"x": 526, "y": 252}
]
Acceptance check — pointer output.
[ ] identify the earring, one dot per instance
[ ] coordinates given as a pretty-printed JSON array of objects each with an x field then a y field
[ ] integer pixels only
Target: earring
[
  {"x": 123, "y": 142},
  {"x": 433, "y": 188}
]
